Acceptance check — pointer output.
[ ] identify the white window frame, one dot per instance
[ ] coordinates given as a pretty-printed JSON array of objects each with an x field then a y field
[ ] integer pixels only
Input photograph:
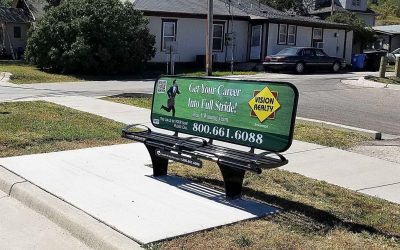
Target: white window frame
[
  {"x": 315, "y": 40},
  {"x": 282, "y": 34},
  {"x": 164, "y": 22},
  {"x": 313, "y": 35},
  {"x": 293, "y": 35},
  {"x": 221, "y": 37}
]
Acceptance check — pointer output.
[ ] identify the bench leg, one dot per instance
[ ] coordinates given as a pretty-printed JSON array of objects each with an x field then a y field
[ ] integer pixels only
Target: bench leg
[
  {"x": 160, "y": 165},
  {"x": 233, "y": 179}
]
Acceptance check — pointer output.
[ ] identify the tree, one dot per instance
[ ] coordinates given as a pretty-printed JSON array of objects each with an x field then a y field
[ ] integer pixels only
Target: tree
[
  {"x": 362, "y": 34},
  {"x": 52, "y": 3},
  {"x": 5, "y": 3},
  {"x": 300, "y": 7},
  {"x": 91, "y": 37}
]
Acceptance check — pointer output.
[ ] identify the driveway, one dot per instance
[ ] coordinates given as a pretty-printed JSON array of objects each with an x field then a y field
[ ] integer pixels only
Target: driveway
[{"x": 325, "y": 97}]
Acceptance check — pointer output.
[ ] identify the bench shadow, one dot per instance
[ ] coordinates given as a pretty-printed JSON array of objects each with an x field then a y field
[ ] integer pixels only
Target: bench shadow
[
  {"x": 250, "y": 206},
  {"x": 270, "y": 204},
  {"x": 327, "y": 220}
]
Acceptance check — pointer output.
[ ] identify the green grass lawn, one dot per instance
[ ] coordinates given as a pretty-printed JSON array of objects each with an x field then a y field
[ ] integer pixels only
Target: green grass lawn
[
  {"x": 23, "y": 73},
  {"x": 303, "y": 132},
  {"x": 386, "y": 80},
  {"x": 40, "y": 127},
  {"x": 314, "y": 215}
]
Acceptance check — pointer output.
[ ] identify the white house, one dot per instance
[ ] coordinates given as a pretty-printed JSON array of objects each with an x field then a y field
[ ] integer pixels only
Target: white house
[
  {"x": 259, "y": 30},
  {"x": 323, "y": 8}
]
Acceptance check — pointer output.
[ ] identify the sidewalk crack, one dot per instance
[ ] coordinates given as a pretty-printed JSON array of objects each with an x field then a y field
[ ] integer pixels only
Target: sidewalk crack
[{"x": 386, "y": 185}]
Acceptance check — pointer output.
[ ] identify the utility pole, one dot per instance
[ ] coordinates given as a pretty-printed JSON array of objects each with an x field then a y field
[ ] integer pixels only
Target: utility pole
[
  {"x": 209, "y": 39},
  {"x": 332, "y": 7}
]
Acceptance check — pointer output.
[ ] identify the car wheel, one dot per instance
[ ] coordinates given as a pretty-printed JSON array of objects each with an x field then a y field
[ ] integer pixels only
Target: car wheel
[
  {"x": 336, "y": 67},
  {"x": 300, "y": 67}
]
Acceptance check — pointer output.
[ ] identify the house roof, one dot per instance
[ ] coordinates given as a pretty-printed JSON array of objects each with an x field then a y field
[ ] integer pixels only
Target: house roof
[
  {"x": 249, "y": 9},
  {"x": 255, "y": 8},
  {"x": 388, "y": 29},
  {"x": 34, "y": 7},
  {"x": 194, "y": 7},
  {"x": 14, "y": 15}
]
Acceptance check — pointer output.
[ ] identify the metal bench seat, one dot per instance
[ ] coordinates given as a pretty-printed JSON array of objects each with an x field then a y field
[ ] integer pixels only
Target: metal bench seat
[{"x": 232, "y": 162}]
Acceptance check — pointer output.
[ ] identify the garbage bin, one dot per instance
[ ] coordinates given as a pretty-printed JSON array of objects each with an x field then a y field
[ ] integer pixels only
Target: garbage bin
[
  {"x": 358, "y": 61},
  {"x": 373, "y": 59}
]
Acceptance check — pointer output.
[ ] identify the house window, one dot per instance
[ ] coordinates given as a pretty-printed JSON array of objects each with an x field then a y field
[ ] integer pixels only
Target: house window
[
  {"x": 17, "y": 32},
  {"x": 168, "y": 33},
  {"x": 356, "y": 3},
  {"x": 282, "y": 39},
  {"x": 291, "y": 39},
  {"x": 317, "y": 37},
  {"x": 218, "y": 37}
]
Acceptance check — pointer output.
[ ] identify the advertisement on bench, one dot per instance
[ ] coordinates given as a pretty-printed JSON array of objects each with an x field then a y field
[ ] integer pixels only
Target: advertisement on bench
[{"x": 249, "y": 113}]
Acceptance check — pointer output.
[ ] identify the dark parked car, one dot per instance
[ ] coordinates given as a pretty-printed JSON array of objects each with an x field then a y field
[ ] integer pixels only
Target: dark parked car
[{"x": 300, "y": 59}]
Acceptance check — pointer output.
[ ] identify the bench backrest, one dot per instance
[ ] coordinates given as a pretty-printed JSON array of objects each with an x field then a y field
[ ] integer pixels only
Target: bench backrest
[{"x": 256, "y": 114}]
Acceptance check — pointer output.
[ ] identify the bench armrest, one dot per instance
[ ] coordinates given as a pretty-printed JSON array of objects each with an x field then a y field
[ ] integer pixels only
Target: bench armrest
[{"x": 129, "y": 127}]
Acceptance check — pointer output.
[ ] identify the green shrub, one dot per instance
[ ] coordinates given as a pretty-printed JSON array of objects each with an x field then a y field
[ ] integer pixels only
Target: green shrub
[{"x": 91, "y": 37}]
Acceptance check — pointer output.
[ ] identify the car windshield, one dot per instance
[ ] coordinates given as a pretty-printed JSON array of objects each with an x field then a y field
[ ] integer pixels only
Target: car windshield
[{"x": 288, "y": 52}]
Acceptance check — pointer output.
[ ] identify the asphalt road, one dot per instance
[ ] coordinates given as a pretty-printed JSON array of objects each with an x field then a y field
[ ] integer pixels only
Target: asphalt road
[{"x": 322, "y": 97}]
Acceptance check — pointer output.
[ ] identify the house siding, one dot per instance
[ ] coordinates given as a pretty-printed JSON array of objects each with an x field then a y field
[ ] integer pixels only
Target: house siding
[
  {"x": 348, "y": 4},
  {"x": 333, "y": 45},
  {"x": 334, "y": 42},
  {"x": 15, "y": 42},
  {"x": 349, "y": 46},
  {"x": 190, "y": 36},
  {"x": 369, "y": 19},
  {"x": 304, "y": 35}
]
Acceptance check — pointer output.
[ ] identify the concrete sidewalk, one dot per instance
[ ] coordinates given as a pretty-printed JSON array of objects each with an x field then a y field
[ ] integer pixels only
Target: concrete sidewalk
[
  {"x": 357, "y": 172},
  {"x": 18, "y": 92},
  {"x": 22, "y": 228}
]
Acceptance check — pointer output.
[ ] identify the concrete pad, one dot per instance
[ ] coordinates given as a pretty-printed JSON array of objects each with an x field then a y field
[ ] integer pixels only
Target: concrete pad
[
  {"x": 114, "y": 185},
  {"x": 22, "y": 228}
]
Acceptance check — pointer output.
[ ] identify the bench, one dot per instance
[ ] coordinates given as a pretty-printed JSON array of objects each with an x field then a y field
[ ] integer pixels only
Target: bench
[{"x": 258, "y": 115}]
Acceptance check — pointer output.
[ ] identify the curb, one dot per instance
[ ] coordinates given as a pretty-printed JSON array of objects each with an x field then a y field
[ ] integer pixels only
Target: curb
[
  {"x": 82, "y": 226},
  {"x": 369, "y": 133}
]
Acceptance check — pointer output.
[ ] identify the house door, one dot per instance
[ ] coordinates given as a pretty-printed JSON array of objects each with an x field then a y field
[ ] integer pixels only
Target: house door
[{"x": 256, "y": 39}]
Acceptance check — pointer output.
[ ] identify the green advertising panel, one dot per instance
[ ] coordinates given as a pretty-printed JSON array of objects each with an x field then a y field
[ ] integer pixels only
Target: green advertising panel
[{"x": 250, "y": 113}]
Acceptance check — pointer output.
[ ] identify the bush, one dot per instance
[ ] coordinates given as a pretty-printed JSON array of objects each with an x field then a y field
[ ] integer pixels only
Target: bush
[{"x": 91, "y": 37}]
